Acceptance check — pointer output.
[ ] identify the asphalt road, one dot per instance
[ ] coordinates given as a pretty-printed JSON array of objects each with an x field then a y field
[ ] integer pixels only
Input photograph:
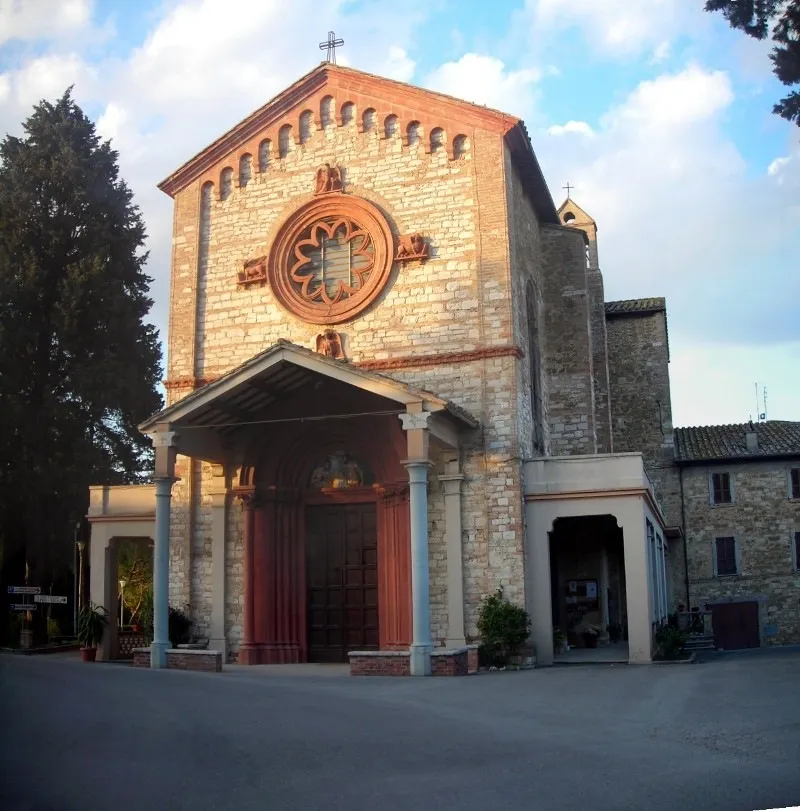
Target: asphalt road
[{"x": 720, "y": 735}]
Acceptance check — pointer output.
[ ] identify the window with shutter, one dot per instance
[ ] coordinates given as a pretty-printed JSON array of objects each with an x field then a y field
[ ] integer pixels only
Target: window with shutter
[
  {"x": 726, "y": 556},
  {"x": 794, "y": 482},
  {"x": 721, "y": 486}
]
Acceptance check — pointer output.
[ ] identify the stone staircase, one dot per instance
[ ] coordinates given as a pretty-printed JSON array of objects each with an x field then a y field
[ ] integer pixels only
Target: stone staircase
[{"x": 700, "y": 642}]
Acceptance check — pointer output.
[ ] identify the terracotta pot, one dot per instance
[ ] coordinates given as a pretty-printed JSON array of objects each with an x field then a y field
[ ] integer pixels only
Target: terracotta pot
[{"x": 88, "y": 654}]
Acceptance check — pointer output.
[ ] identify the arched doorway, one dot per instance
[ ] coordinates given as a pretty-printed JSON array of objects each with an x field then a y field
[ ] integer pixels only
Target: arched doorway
[{"x": 326, "y": 547}]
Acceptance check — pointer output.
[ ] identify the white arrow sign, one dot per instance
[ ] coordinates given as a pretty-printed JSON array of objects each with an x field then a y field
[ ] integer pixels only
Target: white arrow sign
[
  {"x": 23, "y": 607},
  {"x": 24, "y": 590},
  {"x": 49, "y": 598}
]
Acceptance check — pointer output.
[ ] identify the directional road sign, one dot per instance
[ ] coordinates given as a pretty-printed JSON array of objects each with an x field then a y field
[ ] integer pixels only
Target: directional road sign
[
  {"x": 50, "y": 598},
  {"x": 23, "y": 606},
  {"x": 24, "y": 590}
]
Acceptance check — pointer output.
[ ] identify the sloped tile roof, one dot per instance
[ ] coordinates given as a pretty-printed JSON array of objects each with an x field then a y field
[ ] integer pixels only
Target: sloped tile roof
[
  {"x": 711, "y": 442},
  {"x": 636, "y": 305}
]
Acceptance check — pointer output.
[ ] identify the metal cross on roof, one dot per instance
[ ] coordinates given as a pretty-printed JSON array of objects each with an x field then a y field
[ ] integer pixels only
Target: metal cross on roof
[
  {"x": 569, "y": 188},
  {"x": 331, "y": 45}
]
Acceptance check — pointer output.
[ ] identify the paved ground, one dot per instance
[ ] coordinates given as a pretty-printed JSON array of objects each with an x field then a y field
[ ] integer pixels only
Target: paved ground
[{"x": 724, "y": 734}]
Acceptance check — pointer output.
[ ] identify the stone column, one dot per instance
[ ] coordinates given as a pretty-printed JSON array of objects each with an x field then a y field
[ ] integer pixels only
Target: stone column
[
  {"x": 451, "y": 483},
  {"x": 247, "y": 651},
  {"x": 416, "y": 426},
  {"x": 218, "y": 522},
  {"x": 164, "y": 443}
]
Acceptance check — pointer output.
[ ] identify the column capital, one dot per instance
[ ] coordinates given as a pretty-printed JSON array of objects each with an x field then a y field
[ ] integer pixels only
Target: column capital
[
  {"x": 415, "y": 421},
  {"x": 451, "y": 483},
  {"x": 164, "y": 439}
]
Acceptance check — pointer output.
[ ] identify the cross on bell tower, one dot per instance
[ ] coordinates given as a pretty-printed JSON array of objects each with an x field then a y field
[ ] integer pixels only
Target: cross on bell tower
[
  {"x": 569, "y": 188},
  {"x": 331, "y": 44}
]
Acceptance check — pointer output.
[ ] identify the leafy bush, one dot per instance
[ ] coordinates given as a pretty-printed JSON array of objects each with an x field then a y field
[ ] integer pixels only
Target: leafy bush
[
  {"x": 52, "y": 629},
  {"x": 671, "y": 641},
  {"x": 504, "y": 628}
]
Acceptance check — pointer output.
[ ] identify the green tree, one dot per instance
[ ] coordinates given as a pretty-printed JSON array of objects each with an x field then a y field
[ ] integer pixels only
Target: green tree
[
  {"x": 78, "y": 366},
  {"x": 780, "y": 20}
]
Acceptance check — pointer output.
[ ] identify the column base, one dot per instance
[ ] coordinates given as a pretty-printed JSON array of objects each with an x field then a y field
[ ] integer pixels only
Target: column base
[
  {"x": 455, "y": 642},
  {"x": 419, "y": 660},
  {"x": 158, "y": 655},
  {"x": 219, "y": 643}
]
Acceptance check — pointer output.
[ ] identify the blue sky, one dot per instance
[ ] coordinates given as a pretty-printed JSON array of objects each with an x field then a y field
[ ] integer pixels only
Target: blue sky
[{"x": 655, "y": 111}]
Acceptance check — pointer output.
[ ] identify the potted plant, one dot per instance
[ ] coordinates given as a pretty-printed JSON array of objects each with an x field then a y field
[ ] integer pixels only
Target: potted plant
[
  {"x": 92, "y": 623},
  {"x": 559, "y": 641},
  {"x": 590, "y": 634}
]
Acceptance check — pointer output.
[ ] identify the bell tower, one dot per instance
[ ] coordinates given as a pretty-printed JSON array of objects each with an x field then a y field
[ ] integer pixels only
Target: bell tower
[{"x": 574, "y": 216}]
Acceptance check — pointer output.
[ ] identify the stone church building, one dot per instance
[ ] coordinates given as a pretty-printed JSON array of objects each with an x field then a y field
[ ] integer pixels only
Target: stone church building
[{"x": 394, "y": 387}]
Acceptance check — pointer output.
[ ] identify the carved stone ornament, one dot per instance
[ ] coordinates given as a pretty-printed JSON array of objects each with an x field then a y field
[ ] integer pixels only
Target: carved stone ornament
[
  {"x": 329, "y": 343},
  {"x": 329, "y": 178},
  {"x": 339, "y": 471},
  {"x": 331, "y": 259},
  {"x": 411, "y": 246},
  {"x": 253, "y": 272}
]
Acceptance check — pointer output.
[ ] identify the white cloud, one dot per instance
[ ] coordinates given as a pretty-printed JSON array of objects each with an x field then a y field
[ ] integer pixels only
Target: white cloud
[
  {"x": 398, "y": 65},
  {"x": 661, "y": 52},
  {"x": 571, "y": 128},
  {"x": 618, "y": 28},
  {"x": 484, "y": 79},
  {"x": 42, "y": 19}
]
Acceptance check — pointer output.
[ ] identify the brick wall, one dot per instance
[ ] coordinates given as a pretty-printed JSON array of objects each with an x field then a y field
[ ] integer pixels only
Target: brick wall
[{"x": 763, "y": 520}]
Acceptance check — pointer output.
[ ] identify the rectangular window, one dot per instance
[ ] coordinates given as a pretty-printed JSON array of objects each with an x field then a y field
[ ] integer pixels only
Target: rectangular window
[
  {"x": 721, "y": 488},
  {"x": 797, "y": 551},
  {"x": 794, "y": 482},
  {"x": 726, "y": 556}
]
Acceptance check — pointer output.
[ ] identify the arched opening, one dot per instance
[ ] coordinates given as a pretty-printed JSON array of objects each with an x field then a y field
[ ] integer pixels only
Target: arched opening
[
  {"x": 225, "y": 183},
  {"x": 245, "y": 170},
  {"x": 460, "y": 147},
  {"x": 391, "y": 126},
  {"x": 306, "y": 126},
  {"x": 285, "y": 140},
  {"x": 588, "y": 587},
  {"x": 264, "y": 154},
  {"x": 330, "y": 542},
  {"x": 569, "y": 217},
  {"x": 534, "y": 360},
  {"x": 327, "y": 111},
  {"x": 369, "y": 119},
  {"x": 414, "y": 132},
  {"x": 437, "y": 139},
  {"x": 348, "y": 113}
]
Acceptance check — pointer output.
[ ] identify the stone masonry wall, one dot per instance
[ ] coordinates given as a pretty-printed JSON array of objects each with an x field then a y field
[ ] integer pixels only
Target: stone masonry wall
[
  {"x": 568, "y": 362},
  {"x": 763, "y": 520},
  {"x": 525, "y": 244},
  {"x": 457, "y": 301}
]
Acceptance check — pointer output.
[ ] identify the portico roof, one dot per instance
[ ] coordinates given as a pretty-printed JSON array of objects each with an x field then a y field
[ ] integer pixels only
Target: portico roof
[{"x": 245, "y": 394}]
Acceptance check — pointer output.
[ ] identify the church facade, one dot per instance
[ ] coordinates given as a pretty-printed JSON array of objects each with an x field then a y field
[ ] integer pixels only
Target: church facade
[{"x": 394, "y": 387}]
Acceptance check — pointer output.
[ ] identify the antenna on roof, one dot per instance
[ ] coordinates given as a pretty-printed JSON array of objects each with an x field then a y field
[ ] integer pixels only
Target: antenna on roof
[{"x": 763, "y": 415}]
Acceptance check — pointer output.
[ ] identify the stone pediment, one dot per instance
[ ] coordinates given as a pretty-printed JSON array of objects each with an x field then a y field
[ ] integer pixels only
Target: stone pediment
[{"x": 330, "y": 96}]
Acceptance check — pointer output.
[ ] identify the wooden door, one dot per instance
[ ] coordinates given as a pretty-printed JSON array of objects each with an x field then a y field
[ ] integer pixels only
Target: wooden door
[
  {"x": 735, "y": 625},
  {"x": 342, "y": 555}
]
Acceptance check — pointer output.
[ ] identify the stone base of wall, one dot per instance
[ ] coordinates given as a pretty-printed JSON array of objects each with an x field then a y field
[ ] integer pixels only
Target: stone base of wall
[
  {"x": 203, "y": 661},
  {"x": 456, "y": 662}
]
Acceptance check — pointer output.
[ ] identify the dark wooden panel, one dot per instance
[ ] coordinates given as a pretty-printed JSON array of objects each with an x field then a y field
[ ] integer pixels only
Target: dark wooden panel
[
  {"x": 342, "y": 564},
  {"x": 735, "y": 625}
]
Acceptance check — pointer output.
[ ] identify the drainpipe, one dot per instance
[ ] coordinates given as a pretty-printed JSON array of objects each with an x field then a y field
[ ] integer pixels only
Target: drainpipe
[{"x": 685, "y": 546}]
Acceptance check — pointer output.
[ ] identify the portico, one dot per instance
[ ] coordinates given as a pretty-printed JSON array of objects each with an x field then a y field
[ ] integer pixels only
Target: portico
[{"x": 323, "y": 469}]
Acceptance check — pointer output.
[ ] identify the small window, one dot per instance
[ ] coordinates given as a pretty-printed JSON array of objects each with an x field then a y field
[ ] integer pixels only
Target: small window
[
  {"x": 796, "y": 550},
  {"x": 794, "y": 483},
  {"x": 721, "y": 488},
  {"x": 726, "y": 557}
]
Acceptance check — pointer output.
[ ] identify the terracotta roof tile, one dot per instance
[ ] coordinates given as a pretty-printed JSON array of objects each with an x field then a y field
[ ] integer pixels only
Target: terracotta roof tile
[
  {"x": 711, "y": 442},
  {"x": 636, "y": 305}
]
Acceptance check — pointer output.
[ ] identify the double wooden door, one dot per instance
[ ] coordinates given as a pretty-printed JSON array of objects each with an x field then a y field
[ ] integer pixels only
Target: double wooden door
[
  {"x": 735, "y": 625},
  {"x": 342, "y": 555}
]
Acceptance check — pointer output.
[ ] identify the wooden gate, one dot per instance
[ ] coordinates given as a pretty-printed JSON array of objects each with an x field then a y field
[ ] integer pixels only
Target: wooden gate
[{"x": 735, "y": 625}]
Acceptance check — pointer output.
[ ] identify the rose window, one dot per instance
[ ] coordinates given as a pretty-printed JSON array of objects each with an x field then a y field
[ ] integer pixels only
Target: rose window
[{"x": 331, "y": 259}]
